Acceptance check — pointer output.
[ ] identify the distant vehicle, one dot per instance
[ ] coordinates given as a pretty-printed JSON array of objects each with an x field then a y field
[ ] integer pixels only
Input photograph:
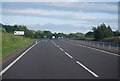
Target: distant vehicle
[
  {"x": 53, "y": 37},
  {"x": 60, "y": 37}
]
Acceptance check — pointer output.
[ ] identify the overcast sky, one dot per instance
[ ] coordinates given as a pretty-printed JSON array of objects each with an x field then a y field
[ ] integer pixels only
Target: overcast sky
[{"x": 63, "y": 17}]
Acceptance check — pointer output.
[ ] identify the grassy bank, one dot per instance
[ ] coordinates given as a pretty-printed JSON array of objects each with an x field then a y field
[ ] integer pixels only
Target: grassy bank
[
  {"x": 86, "y": 38},
  {"x": 12, "y": 43},
  {"x": 112, "y": 40}
]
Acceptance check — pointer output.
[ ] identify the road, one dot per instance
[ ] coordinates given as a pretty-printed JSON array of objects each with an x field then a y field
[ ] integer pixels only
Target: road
[{"x": 58, "y": 59}]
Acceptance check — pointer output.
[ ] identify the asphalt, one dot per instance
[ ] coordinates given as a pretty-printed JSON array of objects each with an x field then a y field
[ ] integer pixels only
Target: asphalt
[{"x": 50, "y": 59}]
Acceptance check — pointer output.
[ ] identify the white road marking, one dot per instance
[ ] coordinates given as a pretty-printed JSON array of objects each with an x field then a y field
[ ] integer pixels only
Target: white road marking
[
  {"x": 68, "y": 55},
  {"x": 95, "y": 75},
  {"x": 53, "y": 42},
  {"x": 39, "y": 41},
  {"x": 11, "y": 64},
  {"x": 87, "y": 69},
  {"x": 57, "y": 46},
  {"x": 101, "y": 50},
  {"x": 61, "y": 49},
  {"x": 36, "y": 42},
  {"x": 94, "y": 49}
]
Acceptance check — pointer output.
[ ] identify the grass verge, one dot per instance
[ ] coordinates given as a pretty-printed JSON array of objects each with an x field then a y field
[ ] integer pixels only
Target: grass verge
[
  {"x": 112, "y": 40},
  {"x": 12, "y": 43},
  {"x": 0, "y": 42}
]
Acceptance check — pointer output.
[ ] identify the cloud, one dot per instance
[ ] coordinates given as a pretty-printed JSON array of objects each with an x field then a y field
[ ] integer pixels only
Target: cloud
[
  {"x": 66, "y": 28},
  {"x": 87, "y": 7},
  {"x": 92, "y": 7},
  {"x": 58, "y": 15},
  {"x": 83, "y": 12}
]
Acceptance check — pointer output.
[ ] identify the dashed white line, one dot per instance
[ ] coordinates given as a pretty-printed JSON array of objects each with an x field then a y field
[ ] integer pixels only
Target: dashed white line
[
  {"x": 68, "y": 55},
  {"x": 94, "y": 74},
  {"x": 53, "y": 43},
  {"x": 57, "y": 46},
  {"x": 11, "y": 64},
  {"x": 61, "y": 49}
]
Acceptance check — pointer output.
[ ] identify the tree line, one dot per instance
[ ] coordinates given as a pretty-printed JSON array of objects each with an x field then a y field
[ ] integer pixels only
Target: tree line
[
  {"x": 102, "y": 31},
  {"x": 98, "y": 33},
  {"x": 38, "y": 34},
  {"x": 27, "y": 33}
]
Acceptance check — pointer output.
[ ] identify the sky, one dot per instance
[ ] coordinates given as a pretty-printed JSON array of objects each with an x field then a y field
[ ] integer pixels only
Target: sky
[
  {"x": 60, "y": 0},
  {"x": 66, "y": 17}
]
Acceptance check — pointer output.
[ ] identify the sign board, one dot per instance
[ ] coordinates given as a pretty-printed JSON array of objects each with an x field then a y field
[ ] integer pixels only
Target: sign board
[
  {"x": 18, "y": 32},
  {"x": 45, "y": 36}
]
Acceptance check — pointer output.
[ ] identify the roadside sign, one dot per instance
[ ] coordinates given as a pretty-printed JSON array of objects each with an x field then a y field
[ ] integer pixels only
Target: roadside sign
[
  {"x": 18, "y": 32},
  {"x": 45, "y": 36}
]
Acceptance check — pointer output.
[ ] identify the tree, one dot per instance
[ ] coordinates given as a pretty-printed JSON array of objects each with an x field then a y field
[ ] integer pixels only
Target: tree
[
  {"x": 89, "y": 34},
  {"x": 102, "y": 31},
  {"x": 110, "y": 32},
  {"x": 48, "y": 34},
  {"x": 56, "y": 35},
  {"x": 116, "y": 33},
  {"x": 72, "y": 35}
]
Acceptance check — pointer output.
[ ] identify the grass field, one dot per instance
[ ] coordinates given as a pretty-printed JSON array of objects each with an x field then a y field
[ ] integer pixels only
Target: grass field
[{"x": 12, "y": 43}]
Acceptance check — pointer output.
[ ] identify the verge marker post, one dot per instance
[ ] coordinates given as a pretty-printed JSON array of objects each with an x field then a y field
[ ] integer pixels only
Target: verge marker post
[
  {"x": 117, "y": 47},
  {"x": 109, "y": 46},
  {"x": 90, "y": 42},
  {"x": 98, "y": 45},
  {"x": 103, "y": 45}
]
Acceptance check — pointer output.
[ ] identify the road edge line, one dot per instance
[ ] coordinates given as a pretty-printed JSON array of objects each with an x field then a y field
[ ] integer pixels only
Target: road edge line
[
  {"x": 110, "y": 53},
  {"x": 12, "y": 63}
]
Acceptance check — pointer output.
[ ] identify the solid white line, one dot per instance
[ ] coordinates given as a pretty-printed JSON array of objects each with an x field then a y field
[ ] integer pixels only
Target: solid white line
[
  {"x": 11, "y": 64},
  {"x": 39, "y": 41},
  {"x": 101, "y": 50},
  {"x": 95, "y": 49},
  {"x": 87, "y": 69},
  {"x": 36, "y": 42},
  {"x": 68, "y": 55}
]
